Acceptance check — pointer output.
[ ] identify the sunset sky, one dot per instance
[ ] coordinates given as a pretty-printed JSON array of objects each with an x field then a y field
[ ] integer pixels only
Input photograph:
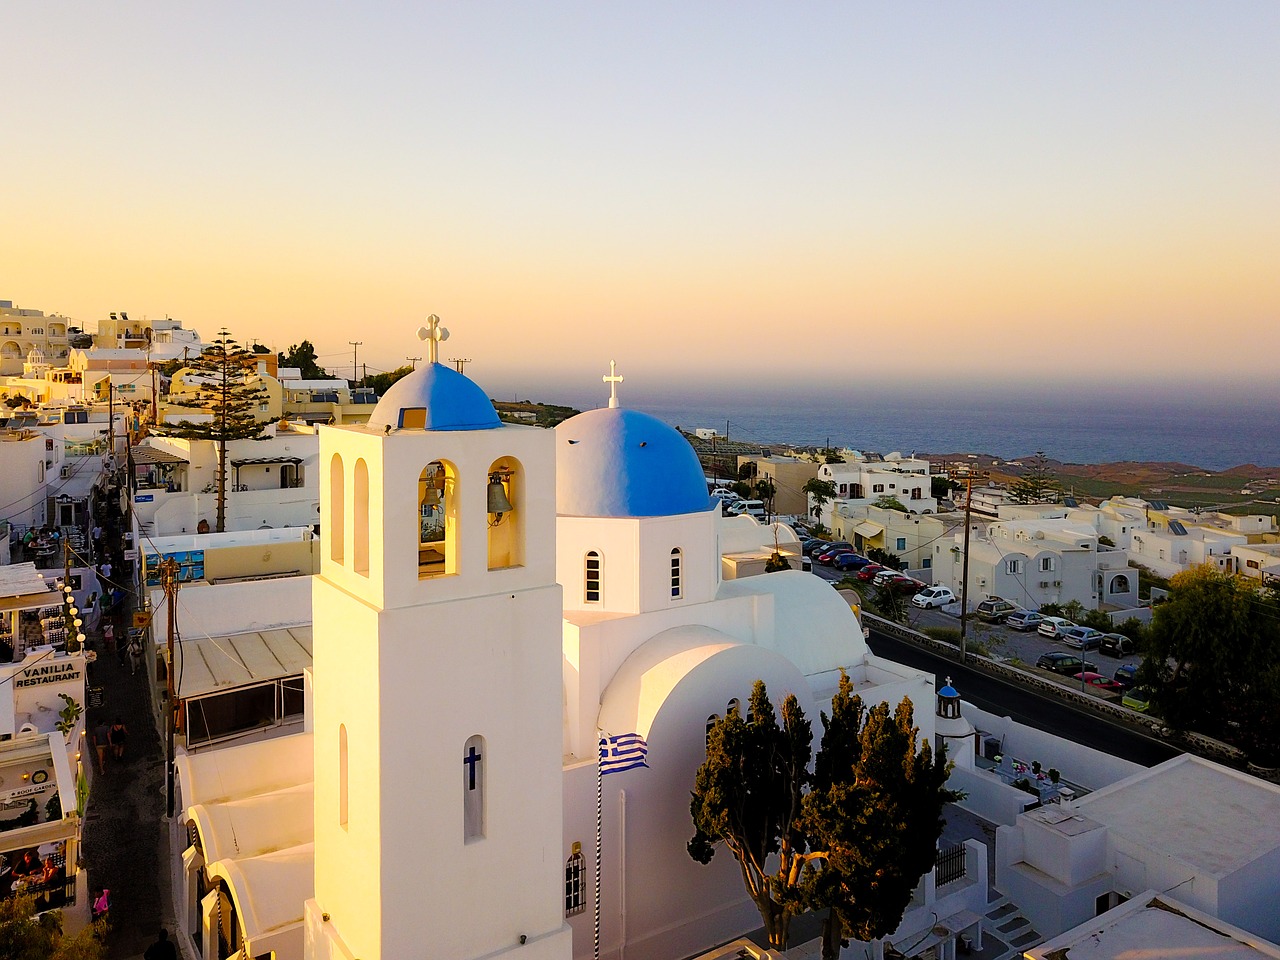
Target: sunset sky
[{"x": 1006, "y": 191}]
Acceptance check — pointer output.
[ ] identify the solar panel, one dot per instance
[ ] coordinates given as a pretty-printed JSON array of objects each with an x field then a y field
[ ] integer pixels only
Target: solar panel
[
  {"x": 1159, "y": 505},
  {"x": 1070, "y": 502},
  {"x": 1177, "y": 529}
]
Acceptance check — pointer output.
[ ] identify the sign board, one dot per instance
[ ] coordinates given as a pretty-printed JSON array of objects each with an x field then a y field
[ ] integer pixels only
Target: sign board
[
  {"x": 30, "y": 790},
  {"x": 43, "y": 673},
  {"x": 141, "y": 618},
  {"x": 144, "y": 498}
]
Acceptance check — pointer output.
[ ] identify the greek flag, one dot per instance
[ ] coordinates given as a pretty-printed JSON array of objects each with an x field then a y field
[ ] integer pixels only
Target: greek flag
[{"x": 625, "y": 752}]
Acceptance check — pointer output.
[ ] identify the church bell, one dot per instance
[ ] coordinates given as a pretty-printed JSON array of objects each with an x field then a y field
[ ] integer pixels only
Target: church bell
[{"x": 498, "y": 502}]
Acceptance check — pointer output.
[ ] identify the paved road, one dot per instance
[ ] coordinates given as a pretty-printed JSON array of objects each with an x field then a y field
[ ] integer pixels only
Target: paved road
[{"x": 1028, "y": 706}]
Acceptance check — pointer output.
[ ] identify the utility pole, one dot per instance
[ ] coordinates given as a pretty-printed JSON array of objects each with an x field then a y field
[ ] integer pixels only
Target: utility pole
[
  {"x": 413, "y": 362},
  {"x": 968, "y": 477},
  {"x": 169, "y": 575},
  {"x": 355, "y": 353},
  {"x": 460, "y": 363}
]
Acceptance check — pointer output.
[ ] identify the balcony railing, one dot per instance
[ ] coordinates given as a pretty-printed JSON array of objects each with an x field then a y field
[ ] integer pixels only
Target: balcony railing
[{"x": 950, "y": 865}]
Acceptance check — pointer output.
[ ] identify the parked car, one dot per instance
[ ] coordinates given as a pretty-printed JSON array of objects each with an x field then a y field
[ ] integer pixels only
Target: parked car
[
  {"x": 1117, "y": 645},
  {"x": 1023, "y": 620},
  {"x": 994, "y": 609},
  {"x": 815, "y": 545},
  {"x": 901, "y": 583},
  {"x": 1068, "y": 663},
  {"x": 868, "y": 572},
  {"x": 1082, "y": 638},
  {"x": 850, "y": 561},
  {"x": 1098, "y": 680},
  {"x": 753, "y": 507},
  {"x": 935, "y": 596},
  {"x": 825, "y": 557},
  {"x": 1137, "y": 699},
  {"x": 1050, "y": 626},
  {"x": 883, "y": 576},
  {"x": 1125, "y": 675}
]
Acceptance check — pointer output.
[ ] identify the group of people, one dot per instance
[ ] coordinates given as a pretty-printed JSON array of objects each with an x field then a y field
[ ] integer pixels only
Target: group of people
[
  {"x": 30, "y": 870},
  {"x": 109, "y": 736}
]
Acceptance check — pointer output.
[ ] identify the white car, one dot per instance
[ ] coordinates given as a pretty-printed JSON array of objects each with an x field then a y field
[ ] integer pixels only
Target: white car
[
  {"x": 934, "y": 596},
  {"x": 1050, "y": 626}
]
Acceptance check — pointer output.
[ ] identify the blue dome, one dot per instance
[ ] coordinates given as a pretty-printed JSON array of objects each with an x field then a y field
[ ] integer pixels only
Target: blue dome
[
  {"x": 450, "y": 401},
  {"x": 948, "y": 691},
  {"x": 623, "y": 463}
]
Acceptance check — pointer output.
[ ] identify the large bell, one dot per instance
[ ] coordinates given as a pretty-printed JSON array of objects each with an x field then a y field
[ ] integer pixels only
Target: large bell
[{"x": 498, "y": 502}]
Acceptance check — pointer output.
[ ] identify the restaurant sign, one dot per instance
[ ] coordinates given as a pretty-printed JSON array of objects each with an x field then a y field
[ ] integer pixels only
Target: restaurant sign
[{"x": 48, "y": 673}]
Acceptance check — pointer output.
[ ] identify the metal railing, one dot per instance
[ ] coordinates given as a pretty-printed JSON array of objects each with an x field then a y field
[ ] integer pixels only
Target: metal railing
[{"x": 949, "y": 866}]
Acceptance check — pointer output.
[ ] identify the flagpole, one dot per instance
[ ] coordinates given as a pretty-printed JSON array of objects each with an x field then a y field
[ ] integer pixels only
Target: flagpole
[{"x": 599, "y": 818}]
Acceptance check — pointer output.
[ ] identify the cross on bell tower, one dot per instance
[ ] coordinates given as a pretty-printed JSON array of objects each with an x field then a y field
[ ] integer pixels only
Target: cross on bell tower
[
  {"x": 612, "y": 379},
  {"x": 434, "y": 334}
]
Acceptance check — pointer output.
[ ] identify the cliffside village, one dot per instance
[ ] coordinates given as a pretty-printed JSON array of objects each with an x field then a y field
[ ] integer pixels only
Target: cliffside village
[{"x": 306, "y": 660}]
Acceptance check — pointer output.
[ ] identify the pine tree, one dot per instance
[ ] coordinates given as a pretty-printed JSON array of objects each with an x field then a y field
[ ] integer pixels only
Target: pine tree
[
  {"x": 223, "y": 376},
  {"x": 1038, "y": 484},
  {"x": 853, "y": 838}
]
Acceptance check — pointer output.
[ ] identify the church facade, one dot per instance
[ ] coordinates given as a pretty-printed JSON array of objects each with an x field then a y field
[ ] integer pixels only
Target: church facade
[{"x": 493, "y": 600}]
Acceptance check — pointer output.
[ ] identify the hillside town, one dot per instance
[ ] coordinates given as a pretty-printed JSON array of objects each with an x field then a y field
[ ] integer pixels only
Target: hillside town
[{"x": 305, "y": 668}]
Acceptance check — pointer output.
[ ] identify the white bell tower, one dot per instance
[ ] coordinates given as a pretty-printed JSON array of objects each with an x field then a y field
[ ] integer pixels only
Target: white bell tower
[{"x": 437, "y": 683}]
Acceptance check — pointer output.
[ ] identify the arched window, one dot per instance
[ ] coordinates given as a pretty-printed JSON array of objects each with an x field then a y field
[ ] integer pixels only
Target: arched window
[
  {"x": 575, "y": 868},
  {"x": 677, "y": 573},
  {"x": 711, "y": 722},
  {"x": 437, "y": 520},
  {"x": 1120, "y": 584},
  {"x": 360, "y": 491},
  {"x": 473, "y": 789},
  {"x": 592, "y": 582},
  {"x": 342, "y": 776},
  {"x": 337, "y": 509},
  {"x": 505, "y": 496}
]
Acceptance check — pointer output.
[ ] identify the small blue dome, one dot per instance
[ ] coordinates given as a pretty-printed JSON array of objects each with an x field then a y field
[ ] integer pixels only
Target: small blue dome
[
  {"x": 948, "y": 691},
  {"x": 450, "y": 401},
  {"x": 623, "y": 463}
]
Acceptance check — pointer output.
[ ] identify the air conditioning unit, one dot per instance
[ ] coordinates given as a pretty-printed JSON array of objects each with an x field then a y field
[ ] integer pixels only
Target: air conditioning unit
[
  {"x": 1044, "y": 584},
  {"x": 65, "y": 471},
  {"x": 1057, "y": 583}
]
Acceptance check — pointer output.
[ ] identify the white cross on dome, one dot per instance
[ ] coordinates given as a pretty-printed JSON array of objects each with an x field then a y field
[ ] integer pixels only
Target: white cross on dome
[{"x": 612, "y": 379}]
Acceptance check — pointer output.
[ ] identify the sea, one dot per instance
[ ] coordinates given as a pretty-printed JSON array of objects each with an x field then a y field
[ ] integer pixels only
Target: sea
[{"x": 1200, "y": 428}]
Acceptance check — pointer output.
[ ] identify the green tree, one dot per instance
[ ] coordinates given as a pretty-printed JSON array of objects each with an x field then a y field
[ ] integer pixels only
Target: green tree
[
  {"x": 224, "y": 378},
  {"x": 765, "y": 490},
  {"x": 1037, "y": 484},
  {"x": 875, "y": 807},
  {"x": 889, "y": 603},
  {"x": 1212, "y": 660},
  {"x": 25, "y": 936},
  {"x": 821, "y": 492},
  {"x": 889, "y": 502},
  {"x": 853, "y": 838},
  {"x": 381, "y": 382},
  {"x": 302, "y": 356},
  {"x": 885, "y": 558},
  {"x": 939, "y": 488}
]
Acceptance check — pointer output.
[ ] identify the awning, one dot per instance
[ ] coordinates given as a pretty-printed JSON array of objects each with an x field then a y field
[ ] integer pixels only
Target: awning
[
  {"x": 145, "y": 455},
  {"x": 868, "y": 528},
  {"x": 217, "y": 664},
  {"x": 250, "y": 461}
]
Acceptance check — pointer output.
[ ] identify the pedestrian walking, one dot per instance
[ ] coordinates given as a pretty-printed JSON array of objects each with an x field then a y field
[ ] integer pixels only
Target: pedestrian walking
[
  {"x": 101, "y": 740},
  {"x": 135, "y": 652},
  {"x": 104, "y": 575},
  {"x": 117, "y": 735},
  {"x": 162, "y": 949},
  {"x": 109, "y": 636}
]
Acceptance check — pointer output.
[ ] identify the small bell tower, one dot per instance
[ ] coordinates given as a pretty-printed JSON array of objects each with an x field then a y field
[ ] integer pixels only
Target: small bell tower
[{"x": 437, "y": 678}]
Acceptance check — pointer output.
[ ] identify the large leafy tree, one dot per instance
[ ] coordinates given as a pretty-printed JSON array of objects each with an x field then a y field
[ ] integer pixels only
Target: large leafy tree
[
  {"x": 303, "y": 357},
  {"x": 224, "y": 377},
  {"x": 821, "y": 492},
  {"x": 25, "y": 936},
  {"x": 1037, "y": 484},
  {"x": 852, "y": 838},
  {"x": 1213, "y": 660}
]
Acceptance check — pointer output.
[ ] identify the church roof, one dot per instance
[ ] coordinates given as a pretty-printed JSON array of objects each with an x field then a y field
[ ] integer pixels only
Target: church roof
[
  {"x": 449, "y": 401},
  {"x": 623, "y": 463}
]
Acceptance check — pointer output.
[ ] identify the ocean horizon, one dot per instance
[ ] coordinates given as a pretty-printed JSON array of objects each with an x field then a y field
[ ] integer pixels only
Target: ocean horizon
[{"x": 1091, "y": 426}]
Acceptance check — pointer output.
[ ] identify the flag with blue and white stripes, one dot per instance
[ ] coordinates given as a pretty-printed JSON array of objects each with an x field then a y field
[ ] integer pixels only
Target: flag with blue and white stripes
[{"x": 624, "y": 752}]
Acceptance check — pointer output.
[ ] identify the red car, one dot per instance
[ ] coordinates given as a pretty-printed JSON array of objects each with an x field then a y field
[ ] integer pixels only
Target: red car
[
  {"x": 869, "y": 571},
  {"x": 1099, "y": 681}
]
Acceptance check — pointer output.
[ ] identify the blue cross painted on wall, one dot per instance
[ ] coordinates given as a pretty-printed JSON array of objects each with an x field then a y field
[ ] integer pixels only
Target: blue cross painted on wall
[{"x": 471, "y": 759}]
